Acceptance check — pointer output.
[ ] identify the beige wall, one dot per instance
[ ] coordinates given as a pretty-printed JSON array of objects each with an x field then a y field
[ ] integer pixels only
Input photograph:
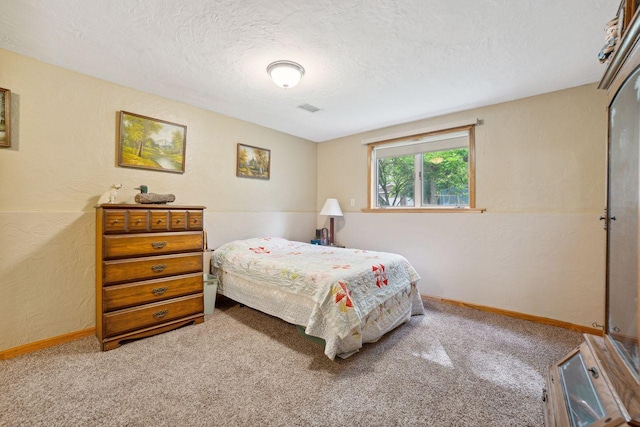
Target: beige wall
[
  {"x": 539, "y": 248},
  {"x": 63, "y": 159}
]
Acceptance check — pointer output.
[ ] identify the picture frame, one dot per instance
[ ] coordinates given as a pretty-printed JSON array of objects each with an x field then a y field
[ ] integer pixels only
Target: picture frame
[
  {"x": 5, "y": 118},
  {"x": 253, "y": 162},
  {"x": 149, "y": 143}
]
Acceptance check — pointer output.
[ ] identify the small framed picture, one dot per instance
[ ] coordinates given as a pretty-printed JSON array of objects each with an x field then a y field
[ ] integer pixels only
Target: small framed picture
[
  {"x": 148, "y": 143},
  {"x": 253, "y": 162},
  {"x": 5, "y": 117}
]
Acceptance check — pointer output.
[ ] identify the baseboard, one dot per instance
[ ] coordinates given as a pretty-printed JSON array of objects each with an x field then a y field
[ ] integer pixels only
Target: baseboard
[
  {"x": 72, "y": 336},
  {"x": 49, "y": 342},
  {"x": 530, "y": 317}
]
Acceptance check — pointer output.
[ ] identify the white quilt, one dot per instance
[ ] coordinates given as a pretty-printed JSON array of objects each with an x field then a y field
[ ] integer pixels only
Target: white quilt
[{"x": 351, "y": 289}]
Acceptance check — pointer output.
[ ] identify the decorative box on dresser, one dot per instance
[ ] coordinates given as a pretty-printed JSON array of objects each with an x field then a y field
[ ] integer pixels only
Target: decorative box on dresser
[{"x": 148, "y": 270}]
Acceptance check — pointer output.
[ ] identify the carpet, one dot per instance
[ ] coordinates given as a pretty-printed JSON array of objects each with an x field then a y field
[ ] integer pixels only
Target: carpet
[{"x": 454, "y": 366}]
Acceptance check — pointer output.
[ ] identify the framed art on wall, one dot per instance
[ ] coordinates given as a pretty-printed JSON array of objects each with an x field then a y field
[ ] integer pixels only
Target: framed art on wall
[
  {"x": 5, "y": 117},
  {"x": 253, "y": 162},
  {"x": 148, "y": 143}
]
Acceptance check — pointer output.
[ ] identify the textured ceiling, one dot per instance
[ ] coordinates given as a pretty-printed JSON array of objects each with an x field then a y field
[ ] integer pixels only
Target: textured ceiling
[{"x": 369, "y": 63}]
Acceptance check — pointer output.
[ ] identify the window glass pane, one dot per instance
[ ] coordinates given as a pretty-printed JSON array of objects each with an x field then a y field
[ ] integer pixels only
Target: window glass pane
[
  {"x": 582, "y": 401},
  {"x": 430, "y": 169},
  {"x": 396, "y": 181},
  {"x": 445, "y": 178}
]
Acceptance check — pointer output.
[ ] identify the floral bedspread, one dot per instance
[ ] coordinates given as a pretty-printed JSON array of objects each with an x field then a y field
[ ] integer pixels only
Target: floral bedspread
[{"x": 347, "y": 286}]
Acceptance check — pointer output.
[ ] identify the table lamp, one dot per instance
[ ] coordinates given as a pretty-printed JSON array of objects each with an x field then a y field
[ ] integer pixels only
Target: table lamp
[{"x": 332, "y": 209}]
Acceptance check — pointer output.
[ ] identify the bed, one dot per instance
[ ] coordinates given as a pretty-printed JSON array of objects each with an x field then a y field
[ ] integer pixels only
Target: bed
[{"x": 346, "y": 297}]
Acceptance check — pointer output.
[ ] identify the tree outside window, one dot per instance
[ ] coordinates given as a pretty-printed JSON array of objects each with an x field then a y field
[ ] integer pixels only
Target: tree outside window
[{"x": 424, "y": 171}]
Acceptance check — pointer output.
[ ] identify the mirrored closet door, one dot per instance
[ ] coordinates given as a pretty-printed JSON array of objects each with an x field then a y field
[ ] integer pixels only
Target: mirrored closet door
[{"x": 622, "y": 245}]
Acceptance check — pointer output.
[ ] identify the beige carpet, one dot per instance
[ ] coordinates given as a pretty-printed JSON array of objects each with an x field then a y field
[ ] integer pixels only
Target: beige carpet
[{"x": 452, "y": 367}]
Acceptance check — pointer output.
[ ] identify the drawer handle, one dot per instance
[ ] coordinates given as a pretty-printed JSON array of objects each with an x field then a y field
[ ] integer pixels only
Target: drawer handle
[
  {"x": 160, "y": 314},
  {"x": 195, "y": 220},
  {"x": 159, "y": 291},
  {"x": 178, "y": 221},
  {"x": 138, "y": 221},
  {"x": 159, "y": 221},
  {"x": 158, "y": 267},
  {"x": 115, "y": 221},
  {"x": 158, "y": 245}
]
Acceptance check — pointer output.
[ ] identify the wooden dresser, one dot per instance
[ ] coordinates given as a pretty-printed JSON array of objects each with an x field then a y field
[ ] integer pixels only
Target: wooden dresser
[{"x": 148, "y": 270}]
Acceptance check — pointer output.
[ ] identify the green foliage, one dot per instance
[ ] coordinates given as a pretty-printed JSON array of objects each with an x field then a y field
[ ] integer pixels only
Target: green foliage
[
  {"x": 140, "y": 149},
  {"x": 129, "y": 158},
  {"x": 153, "y": 157},
  {"x": 176, "y": 141},
  {"x": 445, "y": 173},
  {"x": 242, "y": 157},
  {"x": 138, "y": 131},
  {"x": 395, "y": 180},
  {"x": 445, "y": 178}
]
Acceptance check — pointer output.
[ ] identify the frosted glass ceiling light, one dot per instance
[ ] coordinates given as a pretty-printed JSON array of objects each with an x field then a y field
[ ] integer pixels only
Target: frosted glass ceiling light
[{"x": 285, "y": 74}]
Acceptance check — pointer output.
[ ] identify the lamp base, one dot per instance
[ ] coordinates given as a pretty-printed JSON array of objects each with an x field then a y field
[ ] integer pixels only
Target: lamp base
[{"x": 331, "y": 236}]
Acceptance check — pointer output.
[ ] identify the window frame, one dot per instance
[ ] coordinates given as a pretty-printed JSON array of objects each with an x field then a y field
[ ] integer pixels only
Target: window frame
[{"x": 372, "y": 184}]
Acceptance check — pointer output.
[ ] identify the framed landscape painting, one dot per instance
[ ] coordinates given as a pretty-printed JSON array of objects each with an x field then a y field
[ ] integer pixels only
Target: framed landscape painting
[
  {"x": 5, "y": 117},
  {"x": 149, "y": 143},
  {"x": 253, "y": 162}
]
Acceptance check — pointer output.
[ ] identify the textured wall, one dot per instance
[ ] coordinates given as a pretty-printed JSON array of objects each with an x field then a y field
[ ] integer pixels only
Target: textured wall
[
  {"x": 64, "y": 158},
  {"x": 539, "y": 248}
]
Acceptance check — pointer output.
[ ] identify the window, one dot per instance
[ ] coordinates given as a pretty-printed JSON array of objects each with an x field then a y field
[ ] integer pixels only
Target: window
[{"x": 428, "y": 171}]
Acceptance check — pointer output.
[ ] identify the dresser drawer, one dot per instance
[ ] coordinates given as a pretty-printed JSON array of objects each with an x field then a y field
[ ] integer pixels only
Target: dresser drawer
[
  {"x": 138, "y": 221},
  {"x": 159, "y": 220},
  {"x": 179, "y": 220},
  {"x": 151, "y": 244},
  {"x": 129, "y": 270},
  {"x": 129, "y": 294},
  {"x": 195, "y": 220},
  {"x": 115, "y": 221},
  {"x": 129, "y": 319}
]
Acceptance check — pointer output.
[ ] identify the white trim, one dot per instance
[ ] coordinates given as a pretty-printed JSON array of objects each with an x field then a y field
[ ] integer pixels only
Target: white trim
[{"x": 452, "y": 125}]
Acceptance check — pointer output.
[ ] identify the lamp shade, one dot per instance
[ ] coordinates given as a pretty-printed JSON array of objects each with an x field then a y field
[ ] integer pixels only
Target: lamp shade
[
  {"x": 285, "y": 74},
  {"x": 331, "y": 208}
]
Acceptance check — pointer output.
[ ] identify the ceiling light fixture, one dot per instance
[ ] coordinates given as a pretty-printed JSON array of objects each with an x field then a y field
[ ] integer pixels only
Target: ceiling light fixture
[{"x": 285, "y": 74}]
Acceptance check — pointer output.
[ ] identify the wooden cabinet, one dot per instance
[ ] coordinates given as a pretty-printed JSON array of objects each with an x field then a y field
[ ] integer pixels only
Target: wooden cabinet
[
  {"x": 578, "y": 392},
  {"x": 598, "y": 383},
  {"x": 148, "y": 270}
]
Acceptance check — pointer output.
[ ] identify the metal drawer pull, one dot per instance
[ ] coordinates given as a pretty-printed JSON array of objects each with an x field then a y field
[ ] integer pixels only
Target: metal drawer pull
[
  {"x": 115, "y": 221},
  {"x": 160, "y": 314},
  {"x": 158, "y": 267},
  {"x": 159, "y": 291},
  {"x": 158, "y": 245},
  {"x": 138, "y": 221},
  {"x": 195, "y": 220},
  {"x": 178, "y": 221},
  {"x": 594, "y": 372}
]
